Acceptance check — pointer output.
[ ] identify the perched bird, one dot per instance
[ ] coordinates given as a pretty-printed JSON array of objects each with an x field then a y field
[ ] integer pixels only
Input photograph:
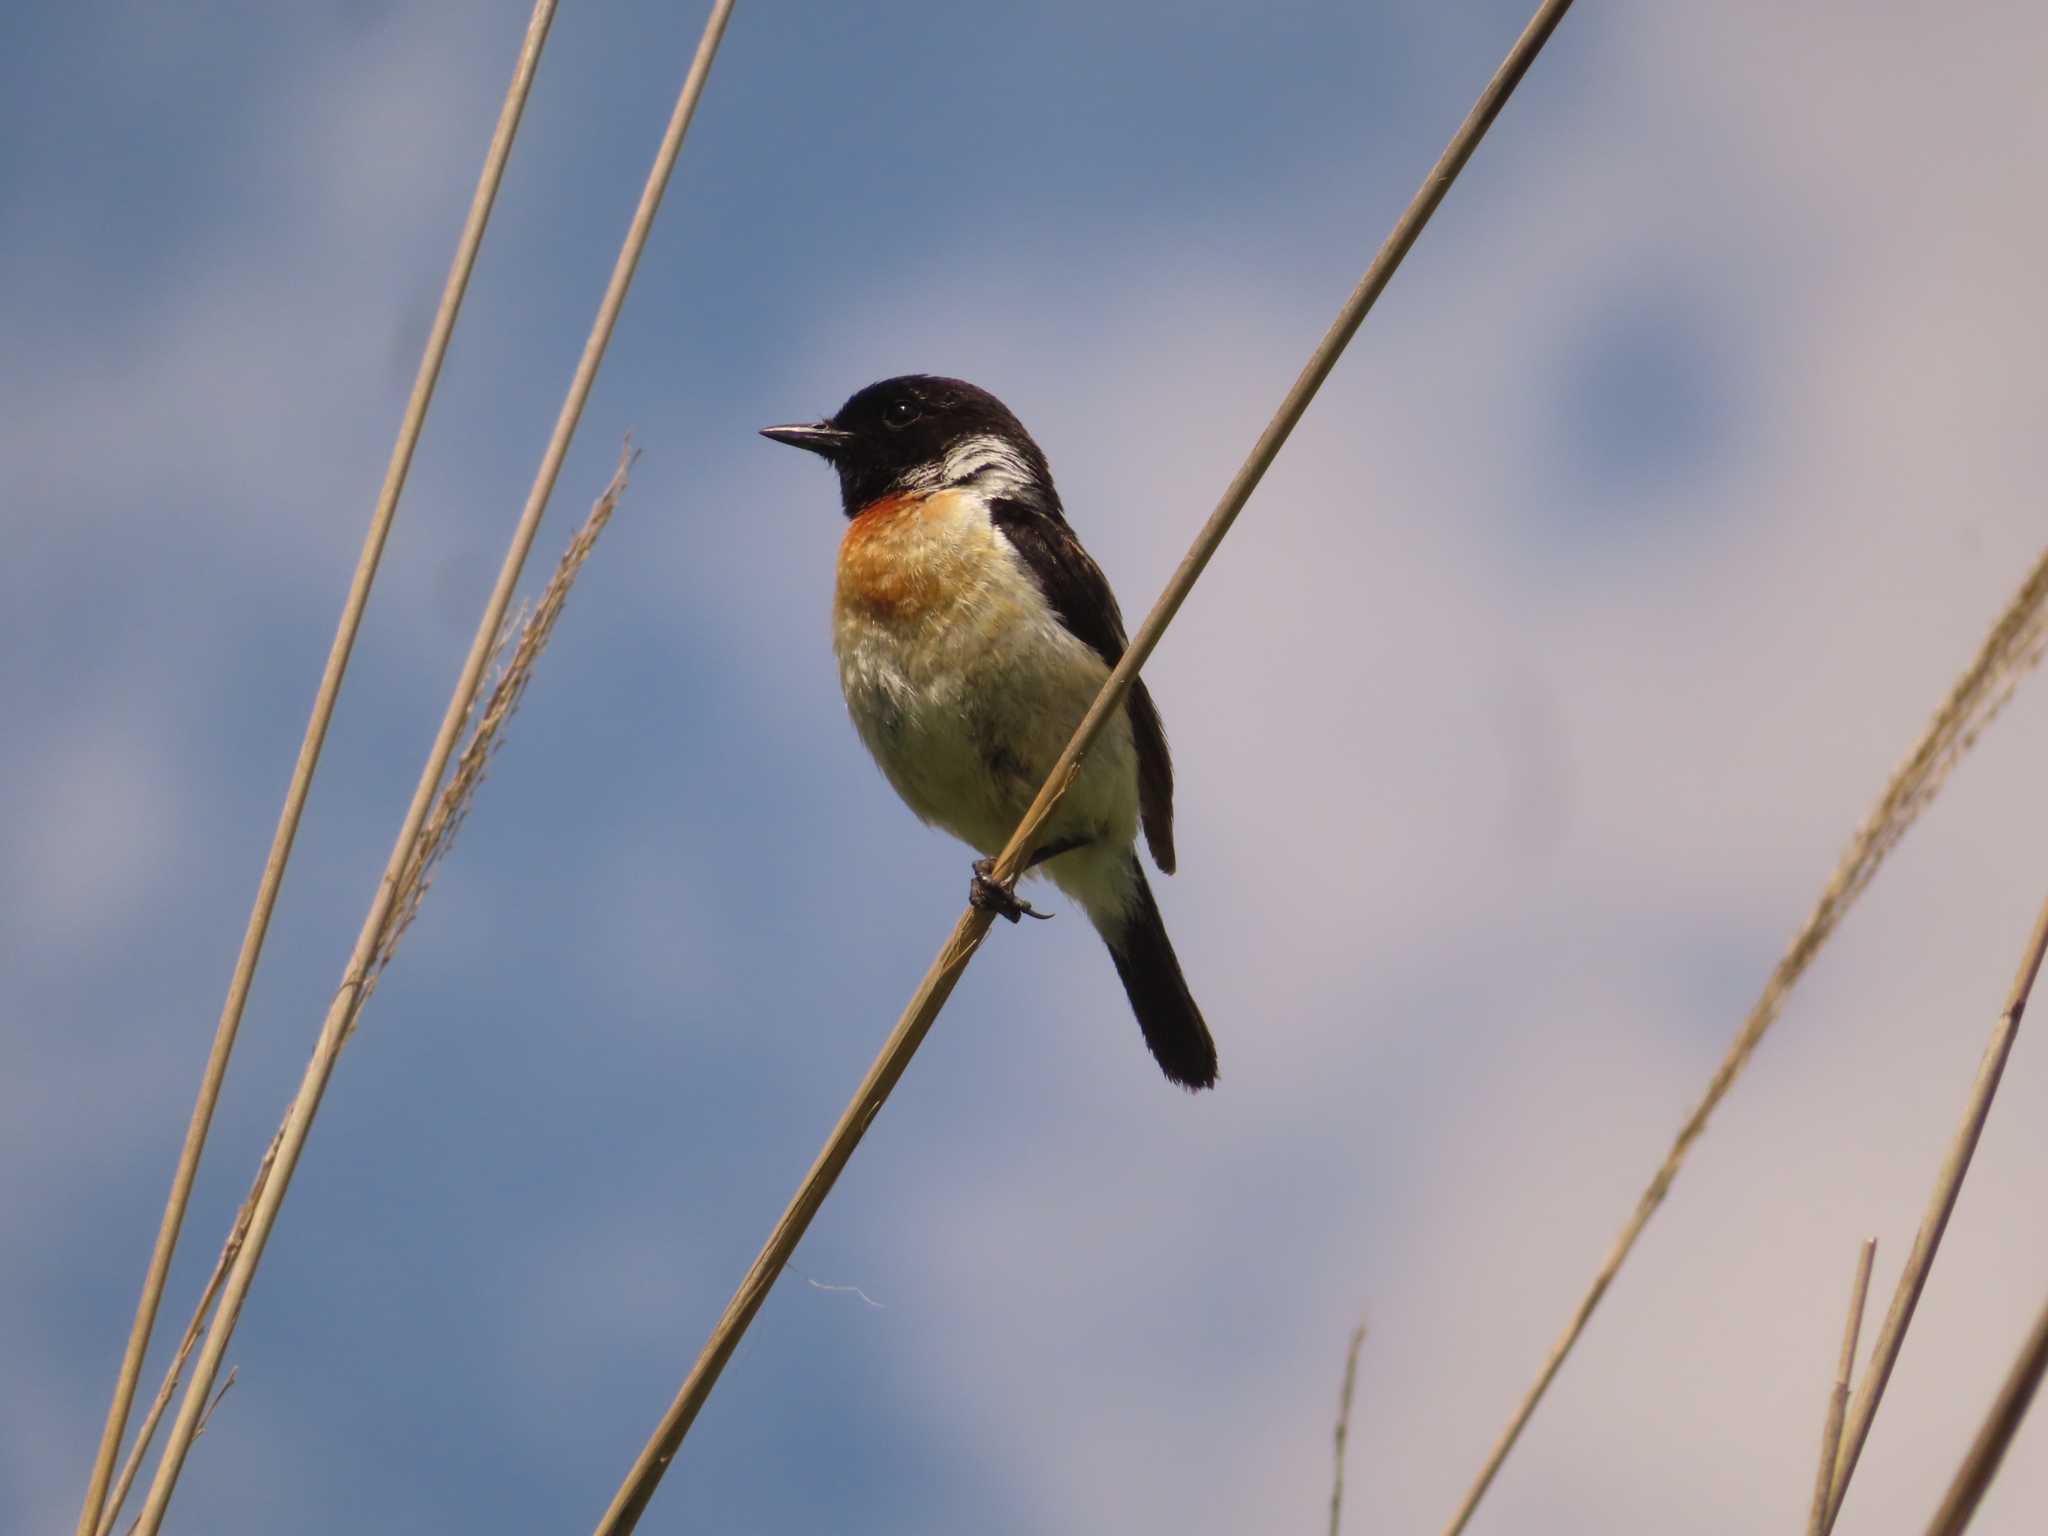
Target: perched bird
[{"x": 972, "y": 632}]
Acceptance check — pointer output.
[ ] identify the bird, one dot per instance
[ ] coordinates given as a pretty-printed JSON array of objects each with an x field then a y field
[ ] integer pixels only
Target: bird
[{"x": 972, "y": 632}]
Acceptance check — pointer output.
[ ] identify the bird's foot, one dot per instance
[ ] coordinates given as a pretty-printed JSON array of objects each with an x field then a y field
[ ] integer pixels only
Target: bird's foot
[{"x": 986, "y": 894}]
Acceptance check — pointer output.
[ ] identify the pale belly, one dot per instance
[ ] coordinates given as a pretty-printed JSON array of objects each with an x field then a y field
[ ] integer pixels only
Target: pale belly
[{"x": 966, "y": 712}]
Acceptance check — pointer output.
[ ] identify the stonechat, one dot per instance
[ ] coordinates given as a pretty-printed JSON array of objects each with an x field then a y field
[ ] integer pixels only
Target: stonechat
[{"x": 972, "y": 632}]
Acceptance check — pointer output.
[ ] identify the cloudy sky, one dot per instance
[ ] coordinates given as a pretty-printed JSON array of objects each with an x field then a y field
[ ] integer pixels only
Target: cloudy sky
[{"x": 1518, "y": 724}]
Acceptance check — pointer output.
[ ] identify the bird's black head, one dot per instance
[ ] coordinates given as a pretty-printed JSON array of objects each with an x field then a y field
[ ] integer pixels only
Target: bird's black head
[{"x": 922, "y": 433}]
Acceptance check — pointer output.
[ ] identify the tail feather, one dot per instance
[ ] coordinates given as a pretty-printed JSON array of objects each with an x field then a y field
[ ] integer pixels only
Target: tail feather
[{"x": 1172, "y": 1024}]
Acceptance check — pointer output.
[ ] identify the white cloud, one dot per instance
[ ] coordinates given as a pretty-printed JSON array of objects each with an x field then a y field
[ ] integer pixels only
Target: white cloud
[
  {"x": 1151, "y": 1313},
  {"x": 1488, "y": 832}
]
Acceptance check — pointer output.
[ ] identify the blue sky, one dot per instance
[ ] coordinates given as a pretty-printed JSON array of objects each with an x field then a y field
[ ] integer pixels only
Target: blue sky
[{"x": 1654, "y": 509}]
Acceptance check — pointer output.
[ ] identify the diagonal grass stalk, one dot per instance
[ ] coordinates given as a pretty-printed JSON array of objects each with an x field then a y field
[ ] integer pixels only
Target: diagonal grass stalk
[
  {"x": 329, "y": 690},
  {"x": 2008, "y": 653},
  {"x": 1948, "y": 1184},
  {"x": 358, "y": 973},
  {"x": 631, "y": 1500}
]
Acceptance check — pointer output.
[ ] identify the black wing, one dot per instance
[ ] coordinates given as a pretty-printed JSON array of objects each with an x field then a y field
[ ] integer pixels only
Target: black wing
[{"x": 1080, "y": 595}]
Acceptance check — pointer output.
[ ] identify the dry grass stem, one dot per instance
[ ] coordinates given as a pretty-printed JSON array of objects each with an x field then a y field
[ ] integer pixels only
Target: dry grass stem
[
  {"x": 1838, "y": 1399},
  {"x": 213, "y": 1407},
  {"x": 1974, "y": 1476},
  {"x": 1343, "y": 1430},
  {"x": 362, "y": 960},
  {"x": 925, "y": 1004},
  {"x": 147, "y": 1432},
  {"x": 1947, "y": 1185},
  {"x": 205, "y": 1420},
  {"x": 2013, "y": 647},
  {"x": 436, "y": 838},
  {"x": 308, "y": 760},
  {"x": 534, "y": 628},
  {"x": 386, "y": 916}
]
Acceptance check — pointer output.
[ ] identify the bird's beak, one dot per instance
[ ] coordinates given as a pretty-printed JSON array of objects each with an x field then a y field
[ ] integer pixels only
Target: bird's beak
[{"x": 819, "y": 437}]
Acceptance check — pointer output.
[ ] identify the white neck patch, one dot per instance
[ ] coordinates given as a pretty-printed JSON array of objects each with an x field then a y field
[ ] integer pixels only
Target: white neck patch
[{"x": 992, "y": 464}]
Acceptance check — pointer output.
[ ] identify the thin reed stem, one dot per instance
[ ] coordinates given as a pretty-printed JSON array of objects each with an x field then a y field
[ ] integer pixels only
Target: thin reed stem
[
  {"x": 1342, "y": 1432},
  {"x": 1947, "y": 1185},
  {"x": 1974, "y": 1476},
  {"x": 633, "y": 1495},
  {"x": 2009, "y": 652},
  {"x": 1838, "y": 1399},
  {"x": 205, "y": 1421},
  {"x": 308, "y": 760},
  {"x": 513, "y": 675},
  {"x": 147, "y": 1432},
  {"x": 436, "y": 839},
  {"x": 341, "y": 1014},
  {"x": 213, "y": 1407}
]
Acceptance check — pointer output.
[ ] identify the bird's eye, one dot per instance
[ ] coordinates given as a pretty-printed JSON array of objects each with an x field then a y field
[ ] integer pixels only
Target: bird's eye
[{"x": 901, "y": 413}]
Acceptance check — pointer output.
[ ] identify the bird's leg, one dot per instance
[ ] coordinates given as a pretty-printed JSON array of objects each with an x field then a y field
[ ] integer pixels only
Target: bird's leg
[
  {"x": 1054, "y": 850},
  {"x": 986, "y": 894}
]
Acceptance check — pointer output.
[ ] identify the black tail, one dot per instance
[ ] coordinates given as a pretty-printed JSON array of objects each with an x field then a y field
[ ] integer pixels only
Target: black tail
[{"x": 1173, "y": 1026}]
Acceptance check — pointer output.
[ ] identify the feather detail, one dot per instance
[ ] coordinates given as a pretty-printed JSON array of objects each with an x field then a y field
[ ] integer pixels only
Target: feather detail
[{"x": 1081, "y": 597}]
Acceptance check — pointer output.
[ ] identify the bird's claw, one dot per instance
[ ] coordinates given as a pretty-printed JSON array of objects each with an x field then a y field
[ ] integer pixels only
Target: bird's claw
[{"x": 987, "y": 894}]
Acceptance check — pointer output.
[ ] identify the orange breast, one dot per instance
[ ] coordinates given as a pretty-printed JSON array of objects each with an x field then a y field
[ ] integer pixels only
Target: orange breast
[{"x": 885, "y": 567}]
